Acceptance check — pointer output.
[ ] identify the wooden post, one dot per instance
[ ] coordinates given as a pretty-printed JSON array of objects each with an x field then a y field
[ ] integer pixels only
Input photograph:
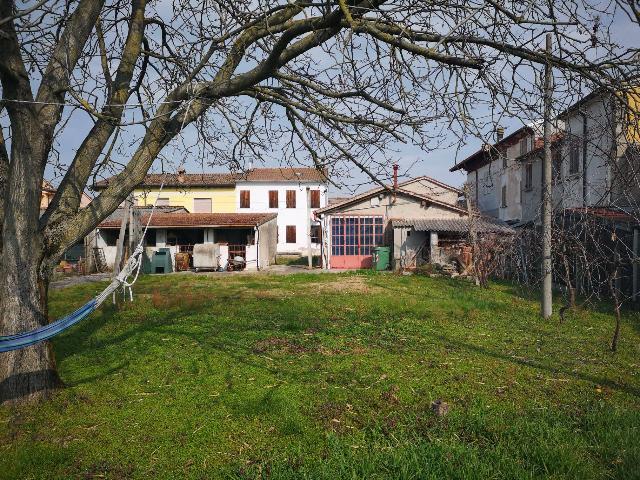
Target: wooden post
[
  {"x": 547, "y": 204},
  {"x": 309, "y": 254},
  {"x": 120, "y": 245},
  {"x": 636, "y": 242}
]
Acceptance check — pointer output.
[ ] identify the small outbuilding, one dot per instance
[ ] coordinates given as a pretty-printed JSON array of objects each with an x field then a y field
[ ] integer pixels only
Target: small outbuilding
[
  {"x": 353, "y": 227},
  {"x": 252, "y": 236},
  {"x": 439, "y": 240}
]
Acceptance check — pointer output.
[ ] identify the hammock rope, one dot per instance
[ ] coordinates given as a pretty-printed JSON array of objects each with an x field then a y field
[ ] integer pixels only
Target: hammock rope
[{"x": 131, "y": 268}]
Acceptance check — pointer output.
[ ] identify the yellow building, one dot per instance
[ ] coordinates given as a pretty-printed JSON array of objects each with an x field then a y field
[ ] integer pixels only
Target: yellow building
[
  {"x": 211, "y": 199},
  {"x": 633, "y": 115},
  {"x": 196, "y": 192}
]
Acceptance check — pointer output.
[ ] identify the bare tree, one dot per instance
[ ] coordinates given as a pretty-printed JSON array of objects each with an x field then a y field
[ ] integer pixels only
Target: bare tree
[{"x": 328, "y": 83}]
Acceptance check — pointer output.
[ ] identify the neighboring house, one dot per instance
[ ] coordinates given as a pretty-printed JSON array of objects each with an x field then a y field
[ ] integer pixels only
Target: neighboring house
[
  {"x": 49, "y": 191},
  {"x": 79, "y": 250},
  {"x": 417, "y": 218},
  {"x": 599, "y": 163},
  {"x": 46, "y": 195},
  {"x": 249, "y": 235},
  {"x": 196, "y": 192},
  {"x": 282, "y": 191},
  {"x": 595, "y": 163},
  {"x": 294, "y": 194},
  {"x": 494, "y": 175}
]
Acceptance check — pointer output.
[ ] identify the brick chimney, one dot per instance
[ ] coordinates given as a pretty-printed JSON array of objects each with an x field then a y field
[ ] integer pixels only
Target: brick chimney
[
  {"x": 395, "y": 176},
  {"x": 499, "y": 134}
]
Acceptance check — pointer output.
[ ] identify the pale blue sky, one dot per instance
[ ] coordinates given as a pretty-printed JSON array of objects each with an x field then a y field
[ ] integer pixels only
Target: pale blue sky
[{"x": 412, "y": 161}]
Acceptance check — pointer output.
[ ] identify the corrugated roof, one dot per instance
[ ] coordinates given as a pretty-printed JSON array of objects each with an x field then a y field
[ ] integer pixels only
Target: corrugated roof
[
  {"x": 118, "y": 213},
  {"x": 228, "y": 179},
  {"x": 457, "y": 225},
  {"x": 160, "y": 219}
]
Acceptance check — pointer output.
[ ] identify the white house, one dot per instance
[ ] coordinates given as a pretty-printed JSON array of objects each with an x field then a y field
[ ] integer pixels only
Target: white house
[
  {"x": 595, "y": 162},
  {"x": 281, "y": 191},
  {"x": 294, "y": 194},
  {"x": 494, "y": 176}
]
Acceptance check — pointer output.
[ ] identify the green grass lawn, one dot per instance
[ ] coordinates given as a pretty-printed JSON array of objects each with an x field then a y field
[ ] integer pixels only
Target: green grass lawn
[{"x": 327, "y": 377}]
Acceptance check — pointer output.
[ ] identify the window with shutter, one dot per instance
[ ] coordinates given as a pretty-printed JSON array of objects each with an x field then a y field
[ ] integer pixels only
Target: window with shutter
[
  {"x": 273, "y": 199},
  {"x": 162, "y": 202},
  {"x": 245, "y": 199},
  {"x": 504, "y": 196},
  {"x": 291, "y": 234},
  {"x": 315, "y": 198},
  {"x": 202, "y": 205},
  {"x": 291, "y": 199}
]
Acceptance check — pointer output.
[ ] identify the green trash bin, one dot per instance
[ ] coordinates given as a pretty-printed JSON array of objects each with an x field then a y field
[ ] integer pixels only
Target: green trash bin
[
  {"x": 146, "y": 263},
  {"x": 161, "y": 261},
  {"x": 381, "y": 258}
]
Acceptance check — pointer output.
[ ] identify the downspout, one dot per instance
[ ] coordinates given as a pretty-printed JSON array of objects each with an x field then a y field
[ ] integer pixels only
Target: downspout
[
  {"x": 584, "y": 159},
  {"x": 322, "y": 264},
  {"x": 257, "y": 229},
  {"x": 477, "y": 189}
]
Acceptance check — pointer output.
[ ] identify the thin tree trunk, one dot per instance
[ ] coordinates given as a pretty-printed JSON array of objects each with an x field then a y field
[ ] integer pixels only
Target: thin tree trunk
[{"x": 616, "y": 301}]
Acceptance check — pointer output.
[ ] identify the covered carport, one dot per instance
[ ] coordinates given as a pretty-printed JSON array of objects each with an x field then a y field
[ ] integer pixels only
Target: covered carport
[{"x": 418, "y": 241}]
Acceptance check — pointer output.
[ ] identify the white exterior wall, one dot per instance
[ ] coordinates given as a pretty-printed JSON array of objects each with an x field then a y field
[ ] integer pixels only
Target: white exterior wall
[
  {"x": 259, "y": 203},
  {"x": 599, "y": 143},
  {"x": 489, "y": 180},
  {"x": 568, "y": 190}
]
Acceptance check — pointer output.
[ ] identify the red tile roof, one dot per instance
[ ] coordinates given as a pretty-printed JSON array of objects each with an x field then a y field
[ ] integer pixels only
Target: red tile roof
[
  {"x": 604, "y": 212},
  {"x": 283, "y": 175},
  {"x": 184, "y": 180},
  {"x": 229, "y": 179},
  {"x": 200, "y": 220},
  {"x": 488, "y": 152},
  {"x": 538, "y": 146}
]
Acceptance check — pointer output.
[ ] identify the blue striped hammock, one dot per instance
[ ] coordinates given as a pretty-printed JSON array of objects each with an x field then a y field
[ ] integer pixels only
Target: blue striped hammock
[{"x": 22, "y": 340}]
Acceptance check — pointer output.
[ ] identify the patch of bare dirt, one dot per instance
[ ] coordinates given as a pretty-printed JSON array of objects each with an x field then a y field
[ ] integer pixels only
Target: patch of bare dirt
[
  {"x": 346, "y": 284},
  {"x": 280, "y": 345},
  {"x": 336, "y": 417}
]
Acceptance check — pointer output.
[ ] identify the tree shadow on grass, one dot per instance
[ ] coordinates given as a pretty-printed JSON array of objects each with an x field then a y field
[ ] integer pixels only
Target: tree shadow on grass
[
  {"x": 81, "y": 340},
  {"x": 541, "y": 366}
]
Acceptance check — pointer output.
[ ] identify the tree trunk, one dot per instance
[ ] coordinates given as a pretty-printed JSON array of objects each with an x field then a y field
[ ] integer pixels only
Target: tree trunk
[{"x": 29, "y": 373}]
